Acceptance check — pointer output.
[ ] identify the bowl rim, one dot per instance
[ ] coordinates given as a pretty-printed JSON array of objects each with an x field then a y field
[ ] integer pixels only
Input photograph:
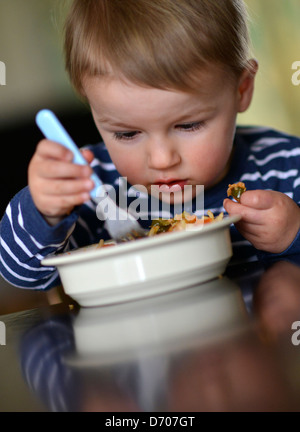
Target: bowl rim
[{"x": 84, "y": 254}]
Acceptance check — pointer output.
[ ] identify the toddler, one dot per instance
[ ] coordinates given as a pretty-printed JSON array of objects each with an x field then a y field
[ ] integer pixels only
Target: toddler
[{"x": 165, "y": 81}]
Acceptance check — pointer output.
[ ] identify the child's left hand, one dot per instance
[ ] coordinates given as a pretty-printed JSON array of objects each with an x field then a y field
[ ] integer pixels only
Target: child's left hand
[{"x": 270, "y": 219}]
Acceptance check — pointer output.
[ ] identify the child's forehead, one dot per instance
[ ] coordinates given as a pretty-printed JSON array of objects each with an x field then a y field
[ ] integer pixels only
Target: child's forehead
[
  {"x": 112, "y": 98},
  {"x": 201, "y": 81}
]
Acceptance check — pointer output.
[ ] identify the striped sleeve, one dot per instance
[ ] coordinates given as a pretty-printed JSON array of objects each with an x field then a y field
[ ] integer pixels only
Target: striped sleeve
[
  {"x": 273, "y": 163},
  {"x": 26, "y": 239}
]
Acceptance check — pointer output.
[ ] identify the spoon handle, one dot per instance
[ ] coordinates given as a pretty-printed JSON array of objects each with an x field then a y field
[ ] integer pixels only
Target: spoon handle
[{"x": 53, "y": 130}]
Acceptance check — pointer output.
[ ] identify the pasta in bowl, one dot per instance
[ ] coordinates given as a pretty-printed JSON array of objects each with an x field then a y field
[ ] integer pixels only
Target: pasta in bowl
[{"x": 153, "y": 265}]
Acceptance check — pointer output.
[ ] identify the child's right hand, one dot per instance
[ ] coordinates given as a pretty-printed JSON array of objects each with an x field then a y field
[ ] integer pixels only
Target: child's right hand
[{"x": 56, "y": 184}]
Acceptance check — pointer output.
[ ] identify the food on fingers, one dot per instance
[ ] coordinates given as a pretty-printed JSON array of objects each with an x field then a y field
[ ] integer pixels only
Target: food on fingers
[{"x": 236, "y": 190}]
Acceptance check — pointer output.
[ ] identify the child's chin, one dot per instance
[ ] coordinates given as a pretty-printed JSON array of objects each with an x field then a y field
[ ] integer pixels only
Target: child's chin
[{"x": 174, "y": 198}]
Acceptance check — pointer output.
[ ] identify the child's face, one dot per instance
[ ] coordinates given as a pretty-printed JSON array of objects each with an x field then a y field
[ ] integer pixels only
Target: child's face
[{"x": 167, "y": 138}]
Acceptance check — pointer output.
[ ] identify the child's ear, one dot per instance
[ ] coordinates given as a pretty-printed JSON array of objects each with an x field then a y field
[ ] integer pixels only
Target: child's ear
[{"x": 246, "y": 85}]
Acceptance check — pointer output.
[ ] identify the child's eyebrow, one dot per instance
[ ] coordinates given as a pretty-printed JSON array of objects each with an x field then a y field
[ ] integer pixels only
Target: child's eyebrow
[
  {"x": 112, "y": 122},
  {"x": 193, "y": 113},
  {"x": 187, "y": 116}
]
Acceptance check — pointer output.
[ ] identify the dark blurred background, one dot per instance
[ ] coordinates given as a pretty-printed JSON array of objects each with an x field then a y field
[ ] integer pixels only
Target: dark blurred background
[
  {"x": 18, "y": 145},
  {"x": 31, "y": 49}
]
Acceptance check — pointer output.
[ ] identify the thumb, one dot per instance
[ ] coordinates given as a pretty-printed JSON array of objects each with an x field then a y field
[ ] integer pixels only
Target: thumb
[
  {"x": 257, "y": 199},
  {"x": 88, "y": 155}
]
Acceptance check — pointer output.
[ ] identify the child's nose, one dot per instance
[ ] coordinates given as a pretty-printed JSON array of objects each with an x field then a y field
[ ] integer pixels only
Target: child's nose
[{"x": 162, "y": 155}]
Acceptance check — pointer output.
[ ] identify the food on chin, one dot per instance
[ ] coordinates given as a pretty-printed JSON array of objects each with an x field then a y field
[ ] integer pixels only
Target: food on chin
[{"x": 236, "y": 190}]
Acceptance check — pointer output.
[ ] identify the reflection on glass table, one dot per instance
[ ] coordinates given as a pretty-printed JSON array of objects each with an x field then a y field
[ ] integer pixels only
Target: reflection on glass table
[{"x": 201, "y": 348}]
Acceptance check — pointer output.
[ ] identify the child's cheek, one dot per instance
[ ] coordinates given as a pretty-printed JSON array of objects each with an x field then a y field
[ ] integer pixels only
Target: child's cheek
[{"x": 132, "y": 170}]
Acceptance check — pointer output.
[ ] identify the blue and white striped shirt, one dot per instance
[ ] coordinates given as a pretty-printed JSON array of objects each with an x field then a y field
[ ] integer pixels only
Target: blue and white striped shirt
[{"x": 263, "y": 159}]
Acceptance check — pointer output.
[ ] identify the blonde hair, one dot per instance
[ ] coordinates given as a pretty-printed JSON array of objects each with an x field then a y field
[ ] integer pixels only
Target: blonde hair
[{"x": 156, "y": 43}]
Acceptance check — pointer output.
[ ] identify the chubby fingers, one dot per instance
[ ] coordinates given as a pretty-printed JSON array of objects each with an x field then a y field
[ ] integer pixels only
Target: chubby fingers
[
  {"x": 252, "y": 207},
  {"x": 53, "y": 160},
  {"x": 56, "y": 183},
  {"x": 258, "y": 199},
  {"x": 270, "y": 220},
  {"x": 88, "y": 155},
  {"x": 51, "y": 149},
  {"x": 47, "y": 149}
]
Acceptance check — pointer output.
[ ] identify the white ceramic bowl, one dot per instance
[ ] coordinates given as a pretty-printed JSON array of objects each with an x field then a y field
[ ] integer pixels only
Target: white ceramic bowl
[{"x": 145, "y": 267}]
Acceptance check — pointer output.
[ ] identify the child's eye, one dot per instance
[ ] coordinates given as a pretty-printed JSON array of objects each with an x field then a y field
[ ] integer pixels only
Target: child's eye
[
  {"x": 126, "y": 136},
  {"x": 190, "y": 127}
]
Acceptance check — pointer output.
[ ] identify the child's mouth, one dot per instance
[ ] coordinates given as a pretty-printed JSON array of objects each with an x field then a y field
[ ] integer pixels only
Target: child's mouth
[{"x": 169, "y": 186}]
